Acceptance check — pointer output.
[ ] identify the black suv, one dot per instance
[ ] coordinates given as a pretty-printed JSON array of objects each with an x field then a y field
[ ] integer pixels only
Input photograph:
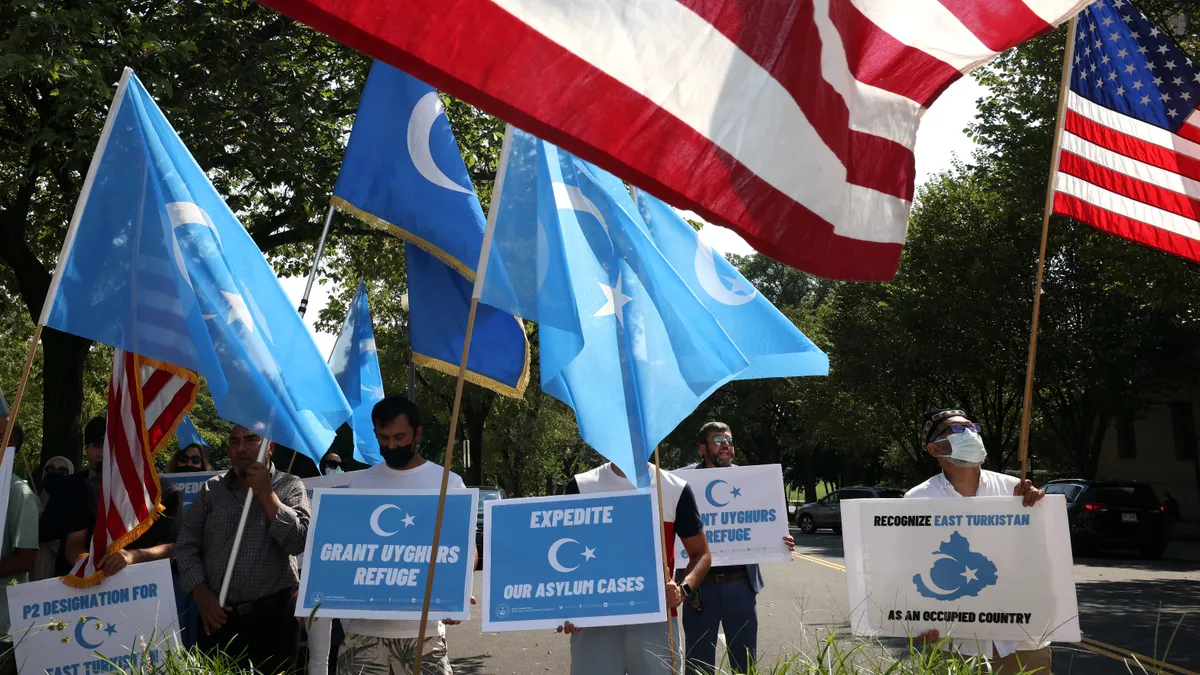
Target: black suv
[
  {"x": 486, "y": 494},
  {"x": 1112, "y": 515}
]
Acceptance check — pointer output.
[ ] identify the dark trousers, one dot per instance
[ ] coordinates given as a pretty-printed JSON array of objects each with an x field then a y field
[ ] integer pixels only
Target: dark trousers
[
  {"x": 261, "y": 634},
  {"x": 732, "y": 605}
]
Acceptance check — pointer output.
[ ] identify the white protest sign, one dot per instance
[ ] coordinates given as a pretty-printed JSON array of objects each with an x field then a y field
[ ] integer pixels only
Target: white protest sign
[
  {"x": 985, "y": 568},
  {"x": 744, "y": 514},
  {"x": 128, "y": 619}
]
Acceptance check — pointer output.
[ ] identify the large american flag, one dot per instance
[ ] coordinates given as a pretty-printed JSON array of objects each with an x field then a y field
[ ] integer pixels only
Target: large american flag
[
  {"x": 1130, "y": 158},
  {"x": 791, "y": 121},
  {"x": 146, "y": 401}
]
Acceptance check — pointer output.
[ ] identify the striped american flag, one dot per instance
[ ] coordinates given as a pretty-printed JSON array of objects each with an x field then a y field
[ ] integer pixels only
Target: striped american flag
[
  {"x": 1130, "y": 157},
  {"x": 146, "y": 401},
  {"x": 791, "y": 121}
]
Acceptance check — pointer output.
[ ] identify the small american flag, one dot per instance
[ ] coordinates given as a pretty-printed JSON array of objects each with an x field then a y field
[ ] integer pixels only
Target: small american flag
[
  {"x": 1130, "y": 157},
  {"x": 146, "y": 401}
]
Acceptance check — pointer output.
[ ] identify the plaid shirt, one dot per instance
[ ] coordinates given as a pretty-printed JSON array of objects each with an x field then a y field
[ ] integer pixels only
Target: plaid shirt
[{"x": 266, "y": 562}]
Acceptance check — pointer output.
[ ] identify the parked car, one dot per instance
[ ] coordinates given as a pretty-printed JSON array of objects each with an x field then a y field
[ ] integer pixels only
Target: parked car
[
  {"x": 1112, "y": 515},
  {"x": 827, "y": 511},
  {"x": 486, "y": 494}
]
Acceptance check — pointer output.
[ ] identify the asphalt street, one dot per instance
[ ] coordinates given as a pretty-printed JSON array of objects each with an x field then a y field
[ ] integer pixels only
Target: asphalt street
[{"x": 1136, "y": 616}]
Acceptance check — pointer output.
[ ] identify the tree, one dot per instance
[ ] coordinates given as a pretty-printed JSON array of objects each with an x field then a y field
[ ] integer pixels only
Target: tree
[{"x": 263, "y": 103}]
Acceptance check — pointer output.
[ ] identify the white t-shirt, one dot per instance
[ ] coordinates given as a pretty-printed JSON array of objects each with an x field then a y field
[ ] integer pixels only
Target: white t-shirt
[
  {"x": 427, "y": 476},
  {"x": 991, "y": 484}
]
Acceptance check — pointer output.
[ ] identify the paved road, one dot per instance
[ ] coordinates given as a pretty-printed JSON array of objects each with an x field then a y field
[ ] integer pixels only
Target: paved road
[{"x": 1124, "y": 604}]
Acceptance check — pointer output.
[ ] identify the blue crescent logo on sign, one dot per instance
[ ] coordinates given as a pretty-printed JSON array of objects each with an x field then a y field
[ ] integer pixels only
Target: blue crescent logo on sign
[
  {"x": 91, "y": 620},
  {"x": 734, "y": 493}
]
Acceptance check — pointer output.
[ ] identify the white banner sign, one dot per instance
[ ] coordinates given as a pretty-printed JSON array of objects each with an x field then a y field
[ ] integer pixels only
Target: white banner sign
[
  {"x": 128, "y": 619},
  {"x": 6, "y": 472},
  {"x": 983, "y": 568},
  {"x": 744, "y": 514}
]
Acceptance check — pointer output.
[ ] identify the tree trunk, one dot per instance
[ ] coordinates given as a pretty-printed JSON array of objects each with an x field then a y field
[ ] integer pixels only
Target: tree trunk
[{"x": 63, "y": 360}]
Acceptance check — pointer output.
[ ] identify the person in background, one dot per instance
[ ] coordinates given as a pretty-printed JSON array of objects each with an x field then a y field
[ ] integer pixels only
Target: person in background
[
  {"x": 18, "y": 550},
  {"x": 257, "y": 620},
  {"x": 1170, "y": 507},
  {"x": 75, "y": 497},
  {"x": 375, "y": 646},
  {"x": 642, "y": 649},
  {"x": 728, "y": 597},
  {"x": 53, "y": 472},
  {"x": 954, "y": 440},
  {"x": 189, "y": 458},
  {"x": 331, "y": 463}
]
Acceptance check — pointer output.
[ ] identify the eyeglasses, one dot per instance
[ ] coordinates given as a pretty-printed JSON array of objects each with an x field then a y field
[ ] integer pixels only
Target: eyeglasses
[
  {"x": 960, "y": 428},
  {"x": 191, "y": 459},
  {"x": 723, "y": 440}
]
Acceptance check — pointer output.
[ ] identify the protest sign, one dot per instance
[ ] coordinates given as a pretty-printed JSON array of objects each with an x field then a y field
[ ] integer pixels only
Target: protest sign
[
  {"x": 984, "y": 568},
  {"x": 189, "y": 483},
  {"x": 368, "y": 554},
  {"x": 744, "y": 514},
  {"x": 128, "y": 620},
  {"x": 593, "y": 560}
]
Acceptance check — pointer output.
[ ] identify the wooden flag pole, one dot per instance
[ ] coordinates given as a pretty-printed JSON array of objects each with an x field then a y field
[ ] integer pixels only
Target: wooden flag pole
[
  {"x": 16, "y": 406},
  {"x": 476, "y": 294},
  {"x": 663, "y": 528},
  {"x": 1027, "y": 405}
]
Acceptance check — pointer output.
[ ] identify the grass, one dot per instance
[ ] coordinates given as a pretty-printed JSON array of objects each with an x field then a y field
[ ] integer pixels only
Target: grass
[{"x": 797, "y": 494}]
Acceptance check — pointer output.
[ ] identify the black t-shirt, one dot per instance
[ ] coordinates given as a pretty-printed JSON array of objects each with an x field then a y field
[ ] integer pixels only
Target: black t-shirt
[{"x": 71, "y": 507}]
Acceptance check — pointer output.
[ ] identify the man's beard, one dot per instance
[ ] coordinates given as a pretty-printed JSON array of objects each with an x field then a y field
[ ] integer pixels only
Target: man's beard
[{"x": 714, "y": 458}]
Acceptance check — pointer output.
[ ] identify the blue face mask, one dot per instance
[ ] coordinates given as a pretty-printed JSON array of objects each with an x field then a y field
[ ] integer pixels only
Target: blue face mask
[
  {"x": 332, "y": 470},
  {"x": 967, "y": 446}
]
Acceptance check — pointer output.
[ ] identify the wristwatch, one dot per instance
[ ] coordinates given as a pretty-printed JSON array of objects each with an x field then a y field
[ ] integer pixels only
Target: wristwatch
[{"x": 685, "y": 589}]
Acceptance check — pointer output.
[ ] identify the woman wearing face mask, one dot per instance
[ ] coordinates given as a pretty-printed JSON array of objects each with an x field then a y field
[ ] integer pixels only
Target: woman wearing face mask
[
  {"x": 954, "y": 440},
  {"x": 55, "y": 469},
  {"x": 190, "y": 458}
]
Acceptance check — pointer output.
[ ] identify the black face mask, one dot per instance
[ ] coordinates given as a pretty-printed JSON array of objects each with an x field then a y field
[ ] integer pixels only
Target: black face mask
[
  {"x": 50, "y": 479},
  {"x": 188, "y": 468},
  {"x": 398, "y": 457}
]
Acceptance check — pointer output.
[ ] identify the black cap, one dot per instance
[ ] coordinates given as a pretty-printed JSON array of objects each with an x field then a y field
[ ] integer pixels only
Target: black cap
[{"x": 931, "y": 421}]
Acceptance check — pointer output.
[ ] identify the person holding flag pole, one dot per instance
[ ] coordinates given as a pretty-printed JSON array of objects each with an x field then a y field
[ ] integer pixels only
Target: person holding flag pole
[
  {"x": 1126, "y": 145},
  {"x": 186, "y": 285}
]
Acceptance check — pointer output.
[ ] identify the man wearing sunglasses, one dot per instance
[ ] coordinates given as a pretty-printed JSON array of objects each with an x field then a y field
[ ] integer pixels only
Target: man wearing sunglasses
[
  {"x": 954, "y": 440},
  {"x": 728, "y": 597}
]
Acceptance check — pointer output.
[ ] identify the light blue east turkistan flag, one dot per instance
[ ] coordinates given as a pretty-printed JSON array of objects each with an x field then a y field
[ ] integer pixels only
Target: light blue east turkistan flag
[
  {"x": 624, "y": 340},
  {"x": 771, "y": 342},
  {"x": 355, "y": 365},
  {"x": 155, "y": 263},
  {"x": 403, "y": 173},
  {"x": 187, "y": 433}
]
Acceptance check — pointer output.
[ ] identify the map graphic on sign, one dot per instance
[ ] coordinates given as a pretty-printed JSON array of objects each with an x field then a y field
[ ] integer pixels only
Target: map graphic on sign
[{"x": 957, "y": 571}]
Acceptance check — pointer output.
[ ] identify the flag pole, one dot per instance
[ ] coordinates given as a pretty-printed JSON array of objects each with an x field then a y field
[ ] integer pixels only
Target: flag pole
[
  {"x": 16, "y": 406},
  {"x": 1027, "y": 405},
  {"x": 476, "y": 294},
  {"x": 663, "y": 528},
  {"x": 312, "y": 276}
]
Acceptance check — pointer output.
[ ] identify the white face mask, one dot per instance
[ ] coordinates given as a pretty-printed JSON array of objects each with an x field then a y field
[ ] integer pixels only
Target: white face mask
[{"x": 967, "y": 447}]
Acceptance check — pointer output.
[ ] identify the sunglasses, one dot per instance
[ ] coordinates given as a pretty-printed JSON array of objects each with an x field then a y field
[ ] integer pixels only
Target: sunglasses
[
  {"x": 331, "y": 465},
  {"x": 191, "y": 459},
  {"x": 723, "y": 440}
]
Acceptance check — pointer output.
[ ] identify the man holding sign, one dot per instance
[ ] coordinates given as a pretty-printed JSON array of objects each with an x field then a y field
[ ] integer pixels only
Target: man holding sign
[
  {"x": 728, "y": 595},
  {"x": 375, "y": 646},
  {"x": 640, "y": 649},
  {"x": 955, "y": 442}
]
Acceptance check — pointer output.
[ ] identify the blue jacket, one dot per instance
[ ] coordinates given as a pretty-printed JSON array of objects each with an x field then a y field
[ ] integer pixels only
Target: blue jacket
[{"x": 752, "y": 571}]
